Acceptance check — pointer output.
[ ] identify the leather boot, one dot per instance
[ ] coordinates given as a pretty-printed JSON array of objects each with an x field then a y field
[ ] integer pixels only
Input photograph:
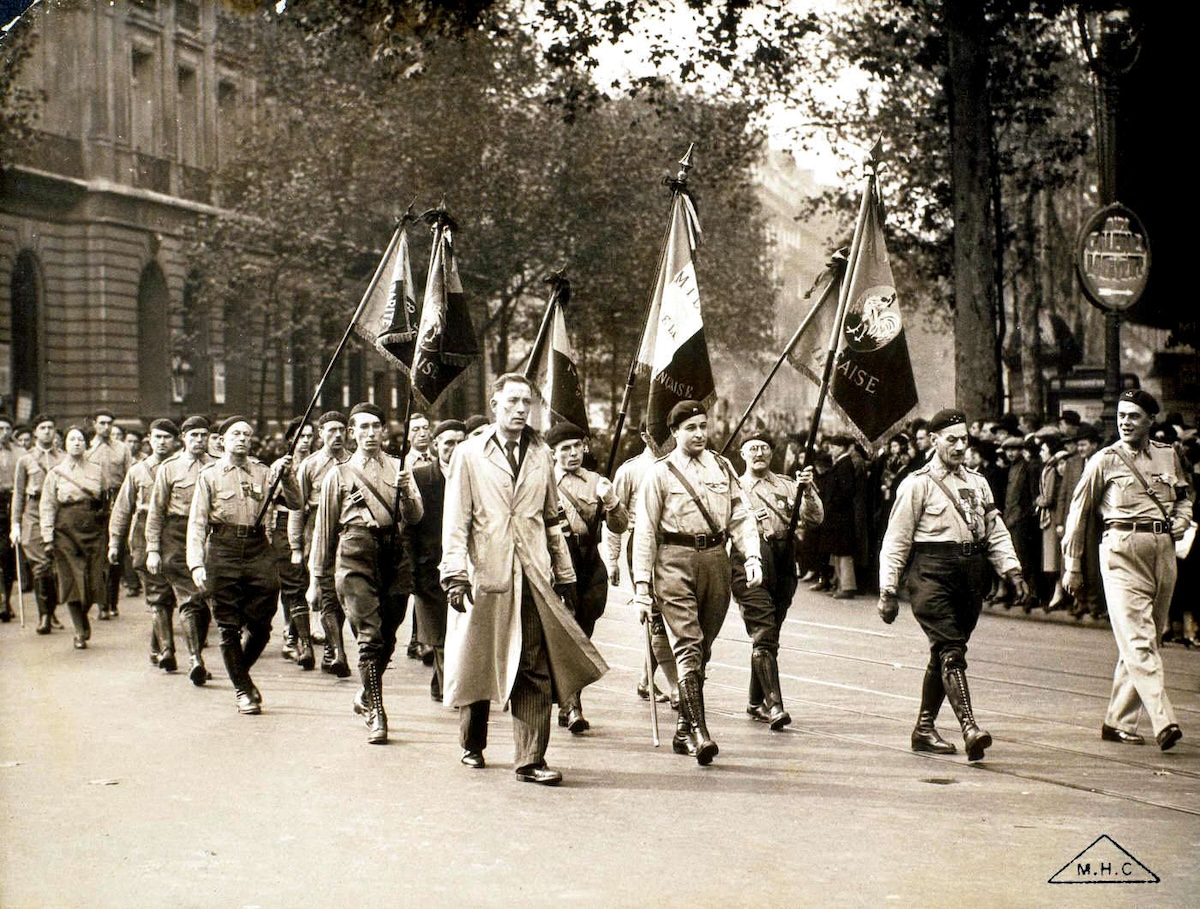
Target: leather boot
[
  {"x": 766, "y": 667},
  {"x": 754, "y": 703},
  {"x": 252, "y": 647},
  {"x": 372, "y": 680},
  {"x": 198, "y": 672},
  {"x": 239, "y": 675},
  {"x": 166, "y": 639},
  {"x": 925, "y": 735},
  {"x": 684, "y": 740},
  {"x": 954, "y": 679},
  {"x": 571, "y": 715},
  {"x": 43, "y": 607},
  {"x": 333, "y": 640},
  {"x": 691, "y": 704},
  {"x": 79, "y": 620},
  {"x": 305, "y": 658}
]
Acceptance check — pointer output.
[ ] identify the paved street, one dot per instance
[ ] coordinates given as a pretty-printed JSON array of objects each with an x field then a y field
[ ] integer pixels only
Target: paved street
[{"x": 124, "y": 787}]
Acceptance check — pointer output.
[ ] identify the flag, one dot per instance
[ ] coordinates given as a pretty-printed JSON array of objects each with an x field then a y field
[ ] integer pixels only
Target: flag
[
  {"x": 811, "y": 349},
  {"x": 446, "y": 338},
  {"x": 873, "y": 383},
  {"x": 555, "y": 375},
  {"x": 674, "y": 350},
  {"x": 389, "y": 318}
]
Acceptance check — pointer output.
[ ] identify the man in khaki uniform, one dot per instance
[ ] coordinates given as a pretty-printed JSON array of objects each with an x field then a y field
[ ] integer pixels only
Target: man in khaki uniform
[
  {"x": 128, "y": 525},
  {"x": 331, "y": 426},
  {"x": 166, "y": 537},
  {"x": 28, "y": 478},
  {"x": 943, "y": 532},
  {"x": 357, "y": 538},
  {"x": 10, "y": 453},
  {"x": 771, "y": 498},
  {"x": 689, "y": 507},
  {"x": 293, "y": 581},
  {"x": 586, "y": 499},
  {"x": 1136, "y": 489},
  {"x": 114, "y": 461},
  {"x": 229, "y": 553}
]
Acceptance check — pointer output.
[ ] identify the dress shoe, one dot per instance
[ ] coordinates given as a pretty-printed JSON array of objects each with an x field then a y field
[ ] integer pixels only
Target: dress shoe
[
  {"x": 44, "y": 625},
  {"x": 1168, "y": 737},
  {"x": 198, "y": 673},
  {"x": 81, "y": 644},
  {"x": 808, "y": 576},
  {"x": 562, "y": 719},
  {"x": 56, "y": 623},
  {"x": 104, "y": 615},
  {"x": 246, "y": 704},
  {"x": 845, "y": 595},
  {"x": 576, "y": 723},
  {"x": 756, "y": 713},
  {"x": 1112, "y": 734},
  {"x": 113, "y": 612},
  {"x": 543, "y": 775},
  {"x": 253, "y": 691},
  {"x": 821, "y": 585},
  {"x": 413, "y": 652},
  {"x": 288, "y": 652},
  {"x": 6, "y": 615},
  {"x": 166, "y": 662},
  {"x": 426, "y": 653},
  {"x": 473, "y": 759},
  {"x": 339, "y": 668},
  {"x": 153, "y": 658},
  {"x": 643, "y": 692}
]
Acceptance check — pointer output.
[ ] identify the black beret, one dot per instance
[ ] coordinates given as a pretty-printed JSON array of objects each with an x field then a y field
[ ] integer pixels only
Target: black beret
[
  {"x": 1088, "y": 431},
  {"x": 474, "y": 421},
  {"x": 367, "y": 408},
  {"x": 563, "y": 432},
  {"x": 105, "y": 412},
  {"x": 295, "y": 424},
  {"x": 762, "y": 436},
  {"x": 685, "y": 410},
  {"x": 331, "y": 416},
  {"x": 166, "y": 426},
  {"x": 1142, "y": 399},
  {"x": 449, "y": 426},
  {"x": 231, "y": 421},
  {"x": 19, "y": 428},
  {"x": 947, "y": 416},
  {"x": 41, "y": 418},
  {"x": 6, "y": 418},
  {"x": 194, "y": 422},
  {"x": 1070, "y": 417}
]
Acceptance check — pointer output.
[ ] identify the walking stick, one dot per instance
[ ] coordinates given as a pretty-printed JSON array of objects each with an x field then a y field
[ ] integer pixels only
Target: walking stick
[
  {"x": 20, "y": 583},
  {"x": 650, "y": 676}
]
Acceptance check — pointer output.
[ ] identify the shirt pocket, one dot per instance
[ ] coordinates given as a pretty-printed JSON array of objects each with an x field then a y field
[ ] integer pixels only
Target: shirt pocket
[
  {"x": 1127, "y": 492},
  {"x": 1163, "y": 486}
]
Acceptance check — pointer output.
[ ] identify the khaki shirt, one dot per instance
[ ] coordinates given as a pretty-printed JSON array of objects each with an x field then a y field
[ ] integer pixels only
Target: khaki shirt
[
  {"x": 67, "y": 483},
  {"x": 114, "y": 462},
  {"x": 771, "y": 499},
  {"x": 10, "y": 454},
  {"x": 132, "y": 503},
  {"x": 174, "y": 485},
  {"x": 1110, "y": 487},
  {"x": 664, "y": 506},
  {"x": 581, "y": 485},
  {"x": 343, "y": 503},
  {"x": 28, "y": 478},
  {"x": 923, "y": 513},
  {"x": 626, "y": 482},
  {"x": 226, "y": 493},
  {"x": 309, "y": 478}
]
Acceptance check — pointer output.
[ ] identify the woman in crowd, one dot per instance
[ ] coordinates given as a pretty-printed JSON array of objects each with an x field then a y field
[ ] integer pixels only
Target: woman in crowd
[
  {"x": 1052, "y": 452},
  {"x": 73, "y": 531}
]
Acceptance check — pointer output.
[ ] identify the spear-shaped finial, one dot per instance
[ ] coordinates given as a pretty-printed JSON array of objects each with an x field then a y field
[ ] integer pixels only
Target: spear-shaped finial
[
  {"x": 408, "y": 217},
  {"x": 875, "y": 155},
  {"x": 685, "y": 164},
  {"x": 439, "y": 217}
]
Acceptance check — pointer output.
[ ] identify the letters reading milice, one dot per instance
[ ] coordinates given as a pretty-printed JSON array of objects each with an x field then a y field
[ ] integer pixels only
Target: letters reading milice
[{"x": 858, "y": 375}]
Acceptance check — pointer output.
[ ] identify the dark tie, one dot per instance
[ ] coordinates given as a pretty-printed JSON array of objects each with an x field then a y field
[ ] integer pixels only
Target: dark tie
[{"x": 510, "y": 449}]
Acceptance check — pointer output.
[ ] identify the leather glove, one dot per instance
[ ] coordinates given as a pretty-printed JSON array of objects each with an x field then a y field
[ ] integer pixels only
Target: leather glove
[
  {"x": 1020, "y": 589},
  {"x": 569, "y": 596},
  {"x": 458, "y": 594},
  {"x": 889, "y": 607}
]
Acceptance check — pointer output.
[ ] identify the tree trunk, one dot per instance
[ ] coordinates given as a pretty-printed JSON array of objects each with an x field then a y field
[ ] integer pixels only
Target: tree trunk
[{"x": 975, "y": 356}]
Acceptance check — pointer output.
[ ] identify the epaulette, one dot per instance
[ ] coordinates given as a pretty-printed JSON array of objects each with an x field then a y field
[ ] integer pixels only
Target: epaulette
[
  {"x": 970, "y": 470},
  {"x": 1158, "y": 444},
  {"x": 921, "y": 470}
]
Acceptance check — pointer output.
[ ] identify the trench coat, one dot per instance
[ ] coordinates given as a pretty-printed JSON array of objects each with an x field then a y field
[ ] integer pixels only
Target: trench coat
[{"x": 498, "y": 532}]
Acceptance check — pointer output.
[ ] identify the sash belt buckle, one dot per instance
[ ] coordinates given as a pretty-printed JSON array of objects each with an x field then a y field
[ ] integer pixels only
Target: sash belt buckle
[
  {"x": 702, "y": 541},
  {"x": 1158, "y": 526},
  {"x": 968, "y": 548},
  {"x": 241, "y": 531}
]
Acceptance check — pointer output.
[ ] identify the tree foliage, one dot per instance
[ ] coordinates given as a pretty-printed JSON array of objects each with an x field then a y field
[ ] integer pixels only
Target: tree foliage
[{"x": 18, "y": 103}]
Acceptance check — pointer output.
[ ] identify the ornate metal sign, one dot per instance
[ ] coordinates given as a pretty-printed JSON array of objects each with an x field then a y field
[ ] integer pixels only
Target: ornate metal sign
[{"x": 1113, "y": 258}]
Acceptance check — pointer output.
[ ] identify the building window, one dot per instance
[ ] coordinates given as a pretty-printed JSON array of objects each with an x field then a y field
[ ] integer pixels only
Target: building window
[
  {"x": 154, "y": 349},
  {"x": 187, "y": 118},
  {"x": 141, "y": 107},
  {"x": 227, "y": 125},
  {"x": 20, "y": 387}
]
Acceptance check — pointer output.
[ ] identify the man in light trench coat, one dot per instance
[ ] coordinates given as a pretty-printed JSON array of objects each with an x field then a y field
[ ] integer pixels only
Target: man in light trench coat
[{"x": 506, "y": 570}]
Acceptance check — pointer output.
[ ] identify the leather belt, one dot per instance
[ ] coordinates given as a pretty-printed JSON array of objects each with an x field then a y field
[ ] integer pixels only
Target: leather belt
[
  {"x": 238, "y": 531},
  {"x": 965, "y": 548},
  {"x": 379, "y": 533},
  {"x": 695, "y": 540},
  {"x": 1139, "y": 526}
]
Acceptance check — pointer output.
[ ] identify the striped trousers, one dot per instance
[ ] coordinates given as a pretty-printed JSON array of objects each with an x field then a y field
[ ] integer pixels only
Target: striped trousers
[{"x": 531, "y": 699}]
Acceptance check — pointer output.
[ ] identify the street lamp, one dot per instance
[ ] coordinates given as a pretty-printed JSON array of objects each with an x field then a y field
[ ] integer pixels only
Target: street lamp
[{"x": 1111, "y": 37}]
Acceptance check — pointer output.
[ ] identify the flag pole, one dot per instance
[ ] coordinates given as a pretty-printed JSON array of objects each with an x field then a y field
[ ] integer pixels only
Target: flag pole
[
  {"x": 835, "y": 334},
  {"x": 312, "y": 403},
  {"x": 836, "y": 264},
  {"x": 678, "y": 185},
  {"x": 558, "y": 285}
]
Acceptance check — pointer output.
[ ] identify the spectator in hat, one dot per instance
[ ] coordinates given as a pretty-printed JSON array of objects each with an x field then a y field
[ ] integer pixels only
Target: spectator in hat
[
  {"x": 1085, "y": 445},
  {"x": 844, "y": 510},
  {"x": 1019, "y": 516},
  {"x": 1052, "y": 451}
]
